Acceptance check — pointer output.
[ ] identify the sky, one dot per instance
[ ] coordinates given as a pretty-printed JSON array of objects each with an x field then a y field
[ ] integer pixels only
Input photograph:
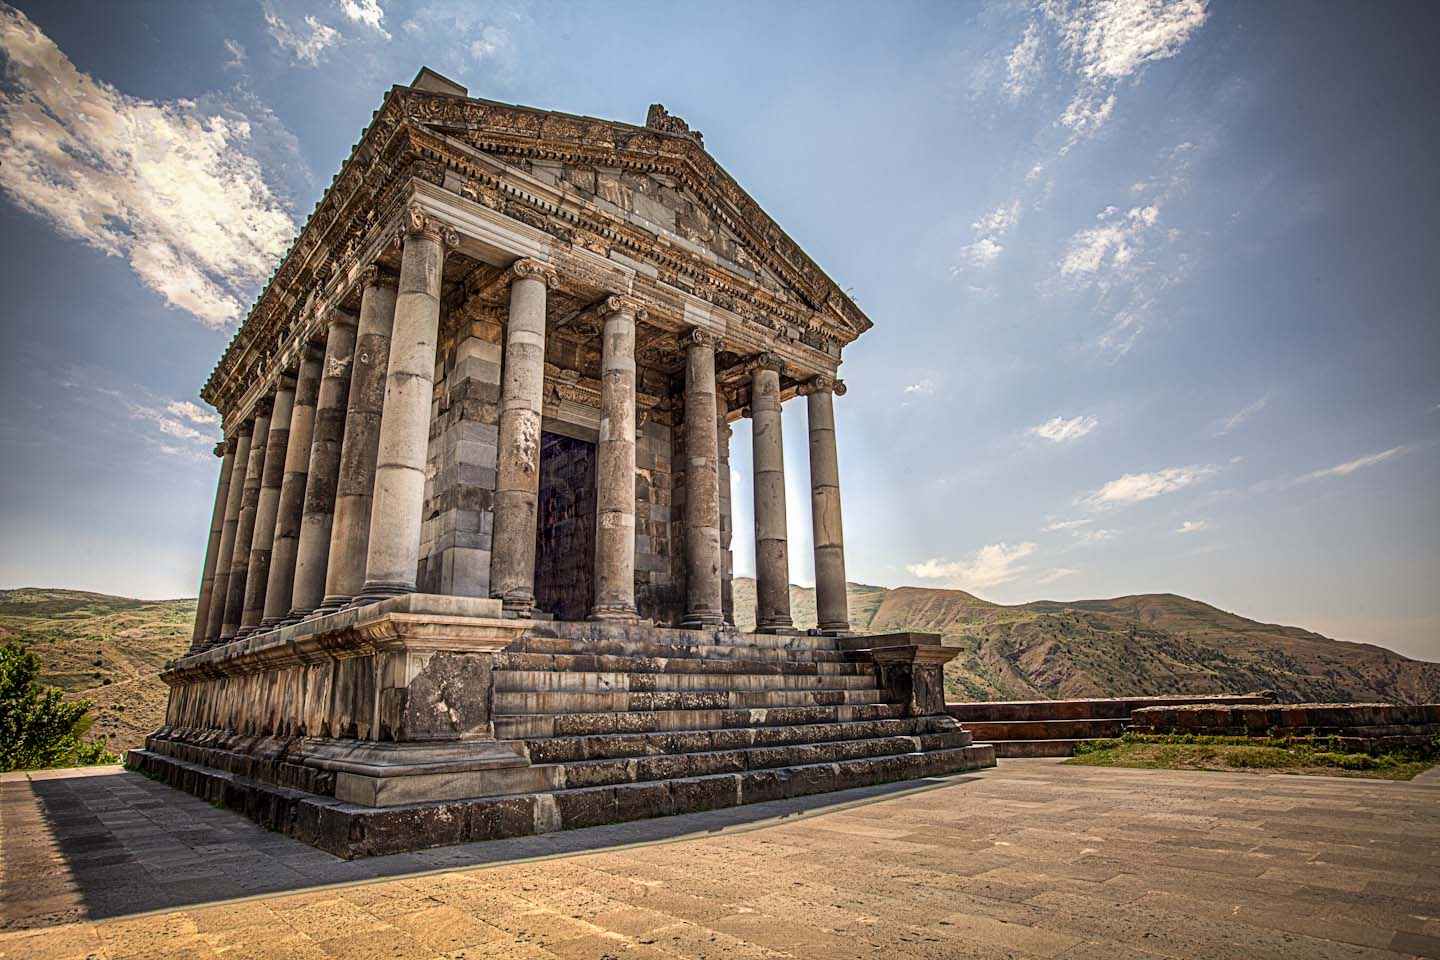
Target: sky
[{"x": 1154, "y": 285}]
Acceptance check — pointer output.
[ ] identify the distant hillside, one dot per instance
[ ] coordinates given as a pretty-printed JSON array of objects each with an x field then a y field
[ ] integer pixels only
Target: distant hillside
[
  {"x": 109, "y": 649},
  {"x": 1148, "y": 644}
]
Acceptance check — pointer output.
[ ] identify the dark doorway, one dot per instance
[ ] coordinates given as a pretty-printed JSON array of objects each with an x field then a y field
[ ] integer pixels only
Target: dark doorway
[{"x": 565, "y": 531}]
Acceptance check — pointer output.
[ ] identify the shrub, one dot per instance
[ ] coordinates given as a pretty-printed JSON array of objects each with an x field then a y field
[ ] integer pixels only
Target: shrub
[{"x": 37, "y": 727}]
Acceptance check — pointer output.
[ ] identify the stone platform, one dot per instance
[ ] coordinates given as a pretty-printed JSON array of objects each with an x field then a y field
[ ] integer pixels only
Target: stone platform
[{"x": 425, "y": 721}]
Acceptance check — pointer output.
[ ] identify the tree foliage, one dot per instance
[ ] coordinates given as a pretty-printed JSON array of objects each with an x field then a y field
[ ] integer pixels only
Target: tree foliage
[{"x": 38, "y": 728}]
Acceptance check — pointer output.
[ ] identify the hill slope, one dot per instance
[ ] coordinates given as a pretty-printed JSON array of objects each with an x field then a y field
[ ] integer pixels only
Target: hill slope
[
  {"x": 109, "y": 649},
  {"x": 1148, "y": 644}
]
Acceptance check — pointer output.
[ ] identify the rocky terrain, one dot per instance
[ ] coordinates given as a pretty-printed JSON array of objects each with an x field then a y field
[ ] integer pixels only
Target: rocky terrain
[
  {"x": 1128, "y": 646},
  {"x": 111, "y": 648}
]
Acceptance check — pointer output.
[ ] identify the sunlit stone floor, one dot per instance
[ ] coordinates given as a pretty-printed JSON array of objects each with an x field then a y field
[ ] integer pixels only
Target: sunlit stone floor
[{"x": 1032, "y": 859}]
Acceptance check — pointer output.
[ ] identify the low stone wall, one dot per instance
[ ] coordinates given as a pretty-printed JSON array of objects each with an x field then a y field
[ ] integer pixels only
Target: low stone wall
[{"x": 1370, "y": 727}]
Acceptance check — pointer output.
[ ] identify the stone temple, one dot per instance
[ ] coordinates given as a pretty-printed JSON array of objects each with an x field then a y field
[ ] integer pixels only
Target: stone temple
[{"x": 469, "y": 571}]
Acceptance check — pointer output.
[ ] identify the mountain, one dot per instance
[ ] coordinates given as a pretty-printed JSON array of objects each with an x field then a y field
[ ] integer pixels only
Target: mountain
[
  {"x": 1146, "y": 644},
  {"x": 109, "y": 649}
]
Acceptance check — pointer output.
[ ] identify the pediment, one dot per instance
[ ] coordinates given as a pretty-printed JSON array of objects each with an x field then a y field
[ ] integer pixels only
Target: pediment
[{"x": 654, "y": 180}]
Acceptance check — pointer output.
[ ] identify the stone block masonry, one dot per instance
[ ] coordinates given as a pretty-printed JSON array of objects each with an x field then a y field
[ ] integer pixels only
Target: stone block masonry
[{"x": 1371, "y": 727}]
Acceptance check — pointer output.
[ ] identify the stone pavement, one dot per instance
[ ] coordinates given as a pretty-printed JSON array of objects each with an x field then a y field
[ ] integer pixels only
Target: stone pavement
[{"x": 1032, "y": 859}]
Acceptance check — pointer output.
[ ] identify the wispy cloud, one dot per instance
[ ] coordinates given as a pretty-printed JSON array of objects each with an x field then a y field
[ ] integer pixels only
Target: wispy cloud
[
  {"x": 991, "y": 565},
  {"x": 1192, "y": 526},
  {"x": 1060, "y": 430},
  {"x": 192, "y": 412},
  {"x": 1022, "y": 66},
  {"x": 173, "y": 187},
  {"x": 1059, "y": 573},
  {"x": 1359, "y": 463},
  {"x": 924, "y": 386},
  {"x": 1094, "y": 536},
  {"x": 307, "y": 44},
  {"x": 1136, "y": 487},
  {"x": 235, "y": 56},
  {"x": 1110, "y": 245},
  {"x": 1067, "y": 524},
  {"x": 368, "y": 12},
  {"x": 990, "y": 230},
  {"x": 1237, "y": 419}
]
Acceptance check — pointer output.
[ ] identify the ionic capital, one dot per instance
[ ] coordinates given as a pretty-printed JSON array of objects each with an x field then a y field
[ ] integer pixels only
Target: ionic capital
[
  {"x": 418, "y": 223},
  {"x": 534, "y": 270},
  {"x": 263, "y": 405},
  {"x": 615, "y": 303},
  {"x": 340, "y": 318},
  {"x": 224, "y": 447},
  {"x": 373, "y": 276},
  {"x": 839, "y": 388},
  {"x": 767, "y": 361},
  {"x": 817, "y": 384},
  {"x": 697, "y": 337}
]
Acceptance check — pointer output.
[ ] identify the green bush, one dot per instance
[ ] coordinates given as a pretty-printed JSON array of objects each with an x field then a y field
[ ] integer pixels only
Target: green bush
[{"x": 38, "y": 728}]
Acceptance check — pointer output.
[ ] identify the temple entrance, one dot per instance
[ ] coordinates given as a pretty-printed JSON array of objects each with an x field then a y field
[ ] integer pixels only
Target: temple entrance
[{"x": 565, "y": 531}]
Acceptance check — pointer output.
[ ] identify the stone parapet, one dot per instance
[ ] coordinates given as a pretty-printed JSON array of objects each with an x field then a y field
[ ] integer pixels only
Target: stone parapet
[{"x": 1355, "y": 726}]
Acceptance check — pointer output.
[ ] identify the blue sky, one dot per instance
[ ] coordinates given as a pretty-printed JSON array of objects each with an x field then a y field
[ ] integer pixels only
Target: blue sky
[{"x": 1154, "y": 287}]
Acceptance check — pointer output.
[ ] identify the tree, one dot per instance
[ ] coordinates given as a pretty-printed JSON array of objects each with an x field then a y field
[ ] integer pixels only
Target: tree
[{"x": 37, "y": 727}]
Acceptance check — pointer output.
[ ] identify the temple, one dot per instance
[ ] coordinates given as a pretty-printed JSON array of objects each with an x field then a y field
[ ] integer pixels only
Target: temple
[{"x": 469, "y": 569}]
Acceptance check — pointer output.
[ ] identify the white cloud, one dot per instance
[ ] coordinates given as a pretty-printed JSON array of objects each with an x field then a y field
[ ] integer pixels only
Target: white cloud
[
  {"x": 1022, "y": 66},
  {"x": 368, "y": 12},
  {"x": 1059, "y": 430},
  {"x": 979, "y": 254},
  {"x": 1192, "y": 526},
  {"x": 1112, "y": 244},
  {"x": 307, "y": 46},
  {"x": 925, "y": 386},
  {"x": 1067, "y": 524},
  {"x": 1359, "y": 463},
  {"x": 1135, "y": 487},
  {"x": 236, "y": 54},
  {"x": 991, "y": 565},
  {"x": 1094, "y": 536},
  {"x": 1234, "y": 421},
  {"x": 491, "y": 41},
  {"x": 173, "y": 187},
  {"x": 1058, "y": 573},
  {"x": 1110, "y": 41},
  {"x": 192, "y": 412},
  {"x": 989, "y": 229}
]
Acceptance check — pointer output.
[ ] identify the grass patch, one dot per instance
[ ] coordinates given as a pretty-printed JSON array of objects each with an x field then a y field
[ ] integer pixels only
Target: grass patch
[{"x": 1238, "y": 754}]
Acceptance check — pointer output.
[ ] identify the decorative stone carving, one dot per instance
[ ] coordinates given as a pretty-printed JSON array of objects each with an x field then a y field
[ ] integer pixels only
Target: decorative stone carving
[{"x": 658, "y": 118}]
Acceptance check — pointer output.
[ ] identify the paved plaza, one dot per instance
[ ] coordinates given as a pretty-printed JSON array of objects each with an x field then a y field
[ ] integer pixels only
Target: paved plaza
[{"x": 1034, "y": 859}]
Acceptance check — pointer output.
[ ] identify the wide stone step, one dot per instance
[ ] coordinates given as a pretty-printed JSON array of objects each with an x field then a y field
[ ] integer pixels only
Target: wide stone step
[
  {"x": 1046, "y": 729},
  {"x": 549, "y": 681},
  {"x": 608, "y": 663},
  {"x": 591, "y": 632},
  {"x": 597, "y": 773},
  {"x": 1018, "y": 749},
  {"x": 570, "y": 724},
  {"x": 648, "y": 648},
  {"x": 609, "y": 746},
  {"x": 622, "y": 701}
]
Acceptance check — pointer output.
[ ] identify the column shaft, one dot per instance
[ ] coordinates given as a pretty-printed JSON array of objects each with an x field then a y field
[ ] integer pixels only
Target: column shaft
[
  {"x": 277, "y": 442},
  {"x": 355, "y": 486},
  {"x": 393, "y": 551},
  {"x": 517, "y": 481},
  {"x": 312, "y": 551},
  {"x": 615, "y": 470},
  {"x": 703, "y": 597},
  {"x": 831, "y": 602},
  {"x": 727, "y": 508},
  {"x": 215, "y": 616},
  {"x": 772, "y": 560},
  {"x": 212, "y": 545},
  {"x": 280, "y": 587},
  {"x": 245, "y": 528}
]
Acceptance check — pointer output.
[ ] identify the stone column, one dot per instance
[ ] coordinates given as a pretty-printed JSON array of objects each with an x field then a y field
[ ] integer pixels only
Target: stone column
[
  {"x": 312, "y": 552},
  {"x": 727, "y": 558},
  {"x": 355, "y": 485},
  {"x": 615, "y": 467},
  {"x": 215, "y": 617},
  {"x": 267, "y": 507},
  {"x": 703, "y": 566},
  {"x": 831, "y": 602},
  {"x": 517, "y": 466},
  {"x": 280, "y": 587},
  {"x": 393, "y": 551},
  {"x": 772, "y": 559},
  {"x": 245, "y": 526},
  {"x": 226, "y": 451}
]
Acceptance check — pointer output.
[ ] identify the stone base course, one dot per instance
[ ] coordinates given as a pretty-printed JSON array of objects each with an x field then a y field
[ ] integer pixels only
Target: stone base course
[{"x": 1374, "y": 727}]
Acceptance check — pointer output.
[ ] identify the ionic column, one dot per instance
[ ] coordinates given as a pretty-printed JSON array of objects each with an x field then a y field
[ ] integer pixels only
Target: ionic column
[
  {"x": 517, "y": 468},
  {"x": 393, "y": 551},
  {"x": 772, "y": 560},
  {"x": 267, "y": 507},
  {"x": 245, "y": 526},
  {"x": 280, "y": 587},
  {"x": 312, "y": 551},
  {"x": 831, "y": 602},
  {"x": 355, "y": 484},
  {"x": 703, "y": 600},
  {"x": 615, "y": 468},
  {"x": 226, "y": 451},
  {"x": 215, "y": 617}
]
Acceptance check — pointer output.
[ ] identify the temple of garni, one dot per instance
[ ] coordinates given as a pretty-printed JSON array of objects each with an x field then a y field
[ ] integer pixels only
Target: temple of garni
[{"x": 468, "y": 574}]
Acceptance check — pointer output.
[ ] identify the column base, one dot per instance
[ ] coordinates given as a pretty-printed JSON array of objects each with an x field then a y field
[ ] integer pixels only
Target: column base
[
  {"x": 517, "y": 606},
  {"x": 616, "y": 615},
  {"x": 331, "y": 604},
  {"x": 376, "y": 590},
  {"x": 270, "y": 623},
  {"x": 785, "y": 627},
  {"x": 702, "y": 621},
  {"x": 836, "y": 629}
]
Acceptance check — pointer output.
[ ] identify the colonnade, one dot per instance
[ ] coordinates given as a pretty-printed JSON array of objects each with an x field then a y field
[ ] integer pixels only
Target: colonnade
[{"x": 321, "y": 491}]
